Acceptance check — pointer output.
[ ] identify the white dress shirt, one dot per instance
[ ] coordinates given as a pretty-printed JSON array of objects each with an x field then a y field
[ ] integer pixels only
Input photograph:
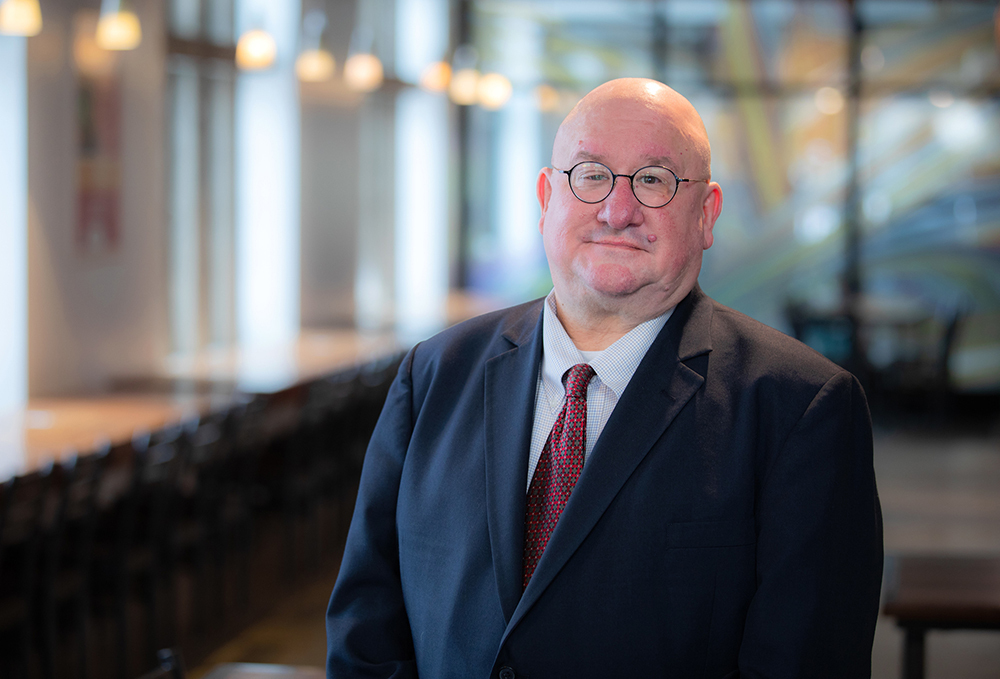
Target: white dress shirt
[{"x": 614, "y": 367}]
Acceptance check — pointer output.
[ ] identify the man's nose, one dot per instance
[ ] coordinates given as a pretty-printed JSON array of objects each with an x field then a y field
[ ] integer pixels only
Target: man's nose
[{"x": 621, "y": 209}]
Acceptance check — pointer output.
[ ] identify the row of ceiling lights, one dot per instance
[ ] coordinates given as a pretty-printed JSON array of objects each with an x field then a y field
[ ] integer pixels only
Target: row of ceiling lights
[
  {"x": 118, "y": 29},
  {"x": 363, "y": 72}
]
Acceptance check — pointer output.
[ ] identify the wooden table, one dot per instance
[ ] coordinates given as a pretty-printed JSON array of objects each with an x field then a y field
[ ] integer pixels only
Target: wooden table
[
  {"x": 53, "y": 429},
  {"x": 940, "y": 592}
]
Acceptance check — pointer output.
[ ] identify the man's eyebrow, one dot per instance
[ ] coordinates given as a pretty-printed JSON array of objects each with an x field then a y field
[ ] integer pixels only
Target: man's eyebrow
[
  {"x": 665, "y": 161},
  {"x": 584, "y": 156}
]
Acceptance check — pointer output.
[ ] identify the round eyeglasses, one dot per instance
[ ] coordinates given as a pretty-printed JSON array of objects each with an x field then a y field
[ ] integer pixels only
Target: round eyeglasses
[{"x": 653, "y": 186}]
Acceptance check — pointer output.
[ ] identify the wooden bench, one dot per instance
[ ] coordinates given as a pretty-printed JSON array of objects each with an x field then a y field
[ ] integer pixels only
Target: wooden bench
[{"x": 939, "y": 592}]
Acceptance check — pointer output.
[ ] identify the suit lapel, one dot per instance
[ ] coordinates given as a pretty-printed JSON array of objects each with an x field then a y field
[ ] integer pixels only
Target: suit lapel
[
  {"x": 511, "y": 379},
  {"x": 660, "y": 388}
]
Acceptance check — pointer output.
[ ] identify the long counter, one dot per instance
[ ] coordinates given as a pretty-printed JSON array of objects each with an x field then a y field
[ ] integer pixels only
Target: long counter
[
  {"x": 51, "y": 429},
  {"x": 186, "y": 386}
]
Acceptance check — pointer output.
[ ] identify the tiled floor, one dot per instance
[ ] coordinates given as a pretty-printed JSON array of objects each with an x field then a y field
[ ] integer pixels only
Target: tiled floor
[{"x": 940, "y": 494}]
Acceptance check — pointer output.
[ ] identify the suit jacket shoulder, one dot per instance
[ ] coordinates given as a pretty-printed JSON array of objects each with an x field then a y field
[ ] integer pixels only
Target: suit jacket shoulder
[
  {"x": 461, "y": 351},
  {"x": 759, "y": 348}
]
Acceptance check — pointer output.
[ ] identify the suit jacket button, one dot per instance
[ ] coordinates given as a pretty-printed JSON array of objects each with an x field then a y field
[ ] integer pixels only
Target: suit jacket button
[{"x": 506, "y": 673}]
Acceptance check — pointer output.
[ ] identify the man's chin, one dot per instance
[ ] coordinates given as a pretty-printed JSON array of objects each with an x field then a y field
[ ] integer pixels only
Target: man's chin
[{"x": 612, "y": 281}]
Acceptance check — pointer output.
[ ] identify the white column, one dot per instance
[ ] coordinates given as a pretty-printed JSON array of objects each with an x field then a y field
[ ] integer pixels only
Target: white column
[
  {"x": 421, "y": 176},
  {"x": 13, "y": 222},
  {"x": 519, "y": 132},
  {"x": 373, "y": 285},
  {"x": 267, "y": 182},
  {"x": 185, "y": 255},
  {"x": 421, "y": 213}
]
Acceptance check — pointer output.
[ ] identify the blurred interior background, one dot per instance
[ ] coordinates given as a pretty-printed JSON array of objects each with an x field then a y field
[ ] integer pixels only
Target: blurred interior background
[
  {"x": 183, "y": 178},
  {"x": 170, "y": 197}
]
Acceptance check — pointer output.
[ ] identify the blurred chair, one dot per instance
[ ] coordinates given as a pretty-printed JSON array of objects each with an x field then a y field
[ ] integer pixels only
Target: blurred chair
[
  {"x": 22, "y": 510},
  {"x": 195, "y": 540},
  {"x": 925, "y": 367},
  {"x": 65, "y": 567},
  {"x": 304, "y": 469},
  {"x": 170, "y": 483},
  {"x": 130, "y": 549},
  {"x": 916, "y": 380},
  {"x": 321, "y": 459},
  {"x": 335, "y": 431},
  {"x": 246, "y": 495},
  {"x": 829, "y": 333},
  {"x": 213, "y": 529},
  {"x": 358, "y": 399}
]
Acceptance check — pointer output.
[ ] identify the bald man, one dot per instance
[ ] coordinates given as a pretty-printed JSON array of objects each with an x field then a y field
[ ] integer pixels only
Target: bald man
[{"x": 625, "y": 478}]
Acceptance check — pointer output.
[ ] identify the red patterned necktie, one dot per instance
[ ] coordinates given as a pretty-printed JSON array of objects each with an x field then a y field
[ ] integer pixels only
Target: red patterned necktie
[{"x": 558, "y": 468}]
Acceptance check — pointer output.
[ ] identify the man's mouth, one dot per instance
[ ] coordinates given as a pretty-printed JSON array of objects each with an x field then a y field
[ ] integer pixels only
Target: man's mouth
[{"x": 617, "y": 243}]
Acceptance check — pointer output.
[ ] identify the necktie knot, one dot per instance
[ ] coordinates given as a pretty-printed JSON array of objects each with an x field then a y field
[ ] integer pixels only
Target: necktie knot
[{"x": 577, "y": 379}]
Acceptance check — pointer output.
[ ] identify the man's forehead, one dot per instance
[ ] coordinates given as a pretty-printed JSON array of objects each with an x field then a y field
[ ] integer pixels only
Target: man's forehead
[
  {"x": 611, "y": 134},
  {"x": 633, "y": 123}
]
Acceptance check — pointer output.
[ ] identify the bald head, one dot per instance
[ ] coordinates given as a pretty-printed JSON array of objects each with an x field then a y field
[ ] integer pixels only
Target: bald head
[{"x": 642, "y": 103}]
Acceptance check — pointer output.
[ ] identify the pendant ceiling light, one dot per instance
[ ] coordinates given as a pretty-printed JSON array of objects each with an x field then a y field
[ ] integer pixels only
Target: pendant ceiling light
[
  {"x": 314, "y": 63},
  {"x": 363, "y": 70},
  {"x": 256, "y": 50},
  {"x": 436, "y": 76},
  {"x": 464, "y": 85},
  {"x": 493, "y": 90},
  {"x": 118, "y": 28},
  {"x": 20, "y": 17},
  {"x": 90, "y": 59}
]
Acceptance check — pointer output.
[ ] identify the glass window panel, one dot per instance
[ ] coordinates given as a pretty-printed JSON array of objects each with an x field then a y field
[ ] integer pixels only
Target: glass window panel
[
  {"x": 201, "y": 100},
  {"x": 212, "y": 20},
  {"x": 185, "y": 18},
  {"x": 782, "y": 167},
  {"x": 219, "y": 84},
  {"x": 939, "y": 44},
  {"x": 777, "y": 42},
  {"x": 185, "y": 205},
  {"x": 931, "y": 217},
  {"x": 220, "y": 23},
  {"x": 585, "y": 42}
]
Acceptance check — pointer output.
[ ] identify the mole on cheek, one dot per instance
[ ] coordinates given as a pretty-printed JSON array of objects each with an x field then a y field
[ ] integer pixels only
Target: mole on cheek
[{"x": 651, "y": 238}]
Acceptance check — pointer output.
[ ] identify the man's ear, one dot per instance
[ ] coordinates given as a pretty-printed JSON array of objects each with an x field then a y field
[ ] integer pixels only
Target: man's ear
[
  {"x": 711, "y": 208},
  {"x": 543, "y": 189}
]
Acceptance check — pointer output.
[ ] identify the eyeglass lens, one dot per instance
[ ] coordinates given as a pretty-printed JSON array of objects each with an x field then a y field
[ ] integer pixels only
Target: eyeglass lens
[{"x": 593, "y": 182}]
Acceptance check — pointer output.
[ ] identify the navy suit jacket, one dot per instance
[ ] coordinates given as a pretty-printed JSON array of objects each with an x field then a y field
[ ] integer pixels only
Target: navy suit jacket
[{"x": 726, "y": 523}]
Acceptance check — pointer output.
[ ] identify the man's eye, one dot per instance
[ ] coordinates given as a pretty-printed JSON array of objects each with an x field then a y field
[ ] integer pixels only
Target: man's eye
[
  {"x": 594, "y": 177},
  {"x": 650, "y": 180}
]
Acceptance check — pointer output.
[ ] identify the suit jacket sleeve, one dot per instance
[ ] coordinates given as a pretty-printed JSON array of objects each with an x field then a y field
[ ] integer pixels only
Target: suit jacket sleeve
[
  {"x": 368, "y": 633},
  {"x": 819, "y": 548}
]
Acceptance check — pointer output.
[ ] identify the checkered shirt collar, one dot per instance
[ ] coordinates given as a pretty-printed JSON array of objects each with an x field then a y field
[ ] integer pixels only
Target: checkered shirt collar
[{"x": 614, "y": 366}]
